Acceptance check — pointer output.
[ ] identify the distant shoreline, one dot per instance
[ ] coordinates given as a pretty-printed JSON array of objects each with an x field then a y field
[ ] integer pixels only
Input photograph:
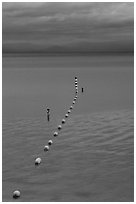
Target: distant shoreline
[{"x": 66, "y": 54}]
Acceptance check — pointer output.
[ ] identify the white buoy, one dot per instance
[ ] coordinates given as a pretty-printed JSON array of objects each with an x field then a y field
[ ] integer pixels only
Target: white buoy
[
  {"x": 71, "y": 107},
  {"x": 16, "y": 194},
  {"x": 63, "y": 121},
  {"x": 73, "y": 102},
  {"x": 55, "y": 134},
  {"x": 38, "y": 161},
  {"x": 59, "y": 127},
  {"x": 69, "y": 111},
  {"x": 46, "y": 148},
  {"x": 66, "y": 116},
  {"x": 50, "y": 142}
]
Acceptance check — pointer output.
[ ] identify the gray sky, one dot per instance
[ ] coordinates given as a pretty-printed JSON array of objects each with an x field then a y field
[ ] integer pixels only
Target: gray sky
[{"x": 68, "y": 27}]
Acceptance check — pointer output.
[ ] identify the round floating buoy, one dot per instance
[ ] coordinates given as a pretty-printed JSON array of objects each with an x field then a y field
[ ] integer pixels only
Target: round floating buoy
[
  {"x": 69, "y": 111},
  {"x": 71, "y": 107},
  {"x": 55, "y": 134},
  {"x": 16, "y": 194},
  {"x": 46, "y": 148},
  {"x": 59, "y": 127},
  {"x": 50, "y": 142},
  {"x": 66, "y": 116},
  {"x": 38, "y": 161},
  {"x": 73, "y": 102},
  {"x": 63, "y": 121}
]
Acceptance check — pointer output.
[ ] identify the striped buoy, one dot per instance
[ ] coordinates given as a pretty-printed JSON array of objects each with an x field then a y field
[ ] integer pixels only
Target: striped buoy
[
  {"x": 46, "y": 148},
  {"x": 37, "y": 161}
]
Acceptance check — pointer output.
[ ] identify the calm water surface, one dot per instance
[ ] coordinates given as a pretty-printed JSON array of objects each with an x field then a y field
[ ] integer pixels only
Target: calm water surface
[{"x": 92, "y": 158}]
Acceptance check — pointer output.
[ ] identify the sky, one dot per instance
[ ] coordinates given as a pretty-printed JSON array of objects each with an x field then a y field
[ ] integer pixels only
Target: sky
[{"x": 67, "y": 27}]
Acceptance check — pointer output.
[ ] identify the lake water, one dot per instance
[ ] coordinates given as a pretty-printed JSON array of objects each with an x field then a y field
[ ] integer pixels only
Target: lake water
[{"x": 92, "y": 158}]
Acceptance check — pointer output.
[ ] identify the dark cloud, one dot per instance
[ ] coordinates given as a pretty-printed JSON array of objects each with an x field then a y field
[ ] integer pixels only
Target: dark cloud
[{"x": 68, "y": 27}]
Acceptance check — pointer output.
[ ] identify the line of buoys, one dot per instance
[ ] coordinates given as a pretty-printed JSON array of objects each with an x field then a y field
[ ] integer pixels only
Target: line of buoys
[
  {"x": 55, "y": 134},
  {"x": 38, "y": 160}
]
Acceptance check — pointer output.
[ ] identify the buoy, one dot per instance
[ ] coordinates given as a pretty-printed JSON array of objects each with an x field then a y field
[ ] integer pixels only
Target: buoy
[
  {"x": 71, "y": 107},
  {"x": 16, "y": 194},
  {"x": 38, "y": 161},
  {"x": 59, "y": 127},
  {"x": 63, "y": 121},
  {"x": 55, "y": 134},
  {"x": 69, "y": 111},
  {"x": 46, "y": 148},
  {"x": 73, "y": 102},
  {"x": 66, "y": 116},
  {"x": 50, "y": 142}
]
